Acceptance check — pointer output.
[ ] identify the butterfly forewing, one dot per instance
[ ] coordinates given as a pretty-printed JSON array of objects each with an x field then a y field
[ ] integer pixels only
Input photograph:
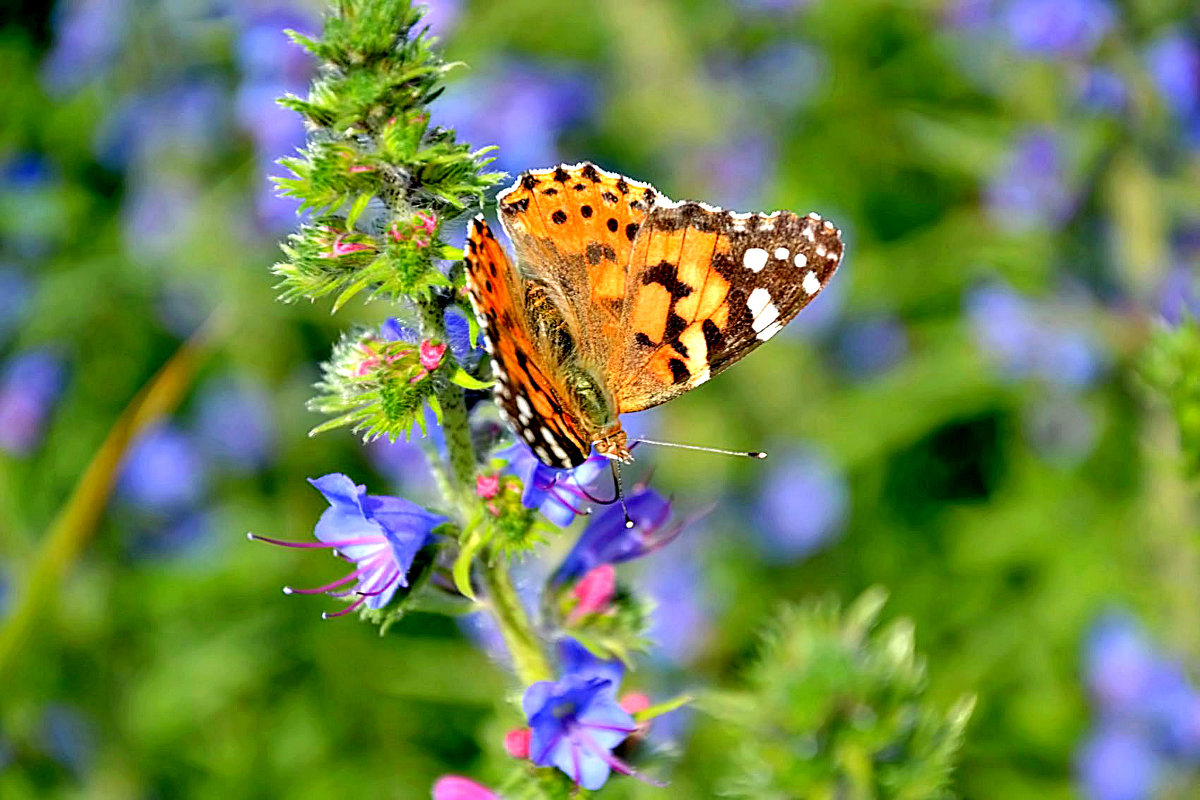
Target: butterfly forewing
[
  {"x": 577, "y": 224},
  {"x": 706, "y": 287},
  {"x": 525, "y": 389}
]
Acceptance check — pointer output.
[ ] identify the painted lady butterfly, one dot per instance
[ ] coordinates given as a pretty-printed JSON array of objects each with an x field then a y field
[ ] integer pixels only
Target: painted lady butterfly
[{"x": 623, "y": 299}]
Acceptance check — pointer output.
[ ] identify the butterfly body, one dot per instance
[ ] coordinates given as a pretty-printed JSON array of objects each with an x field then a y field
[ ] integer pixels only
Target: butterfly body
[{"x": 622, "y": 299}]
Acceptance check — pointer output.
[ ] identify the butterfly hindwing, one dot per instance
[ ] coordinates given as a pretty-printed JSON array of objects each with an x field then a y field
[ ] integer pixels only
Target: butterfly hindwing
[
  {"x": 528, "y": 396},
  {"x": 706, "y": 287}
]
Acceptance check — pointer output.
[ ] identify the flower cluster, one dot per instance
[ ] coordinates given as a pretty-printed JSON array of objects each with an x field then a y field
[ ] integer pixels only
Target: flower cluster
[{"x": 1147, "y": 714}]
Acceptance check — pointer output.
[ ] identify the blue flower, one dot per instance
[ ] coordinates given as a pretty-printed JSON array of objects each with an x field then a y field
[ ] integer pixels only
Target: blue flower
[
  {"x": 1174, "y": 63},
  {"x": 1118, "y": 764},
  {"x": 458, "y": 335},
  {"x": 88, "y": 38},
  {"x": 1029, "y": 190},
  {"x": 1102, "y": 90},
  {"x": 520, "y": 106},
  {"x": 1179, "y": 295},
  {"x": 164, "y": 471},
  {"x": 234, "y": 422},
  {"x": 559, "y": 494},
  {"x": 681, "y": 621},
  {"x": 872, "y": 346},
  {"x": 606, "y": 540},
  {"x": 379, "y": 535},
  {"x": 29, "y": 386},
  {"x": 802, "y": 505},
  {"x": 574, "y": 724},
  {"x": 15, "y": 293},
  {"x": 1058, "y": 28}
]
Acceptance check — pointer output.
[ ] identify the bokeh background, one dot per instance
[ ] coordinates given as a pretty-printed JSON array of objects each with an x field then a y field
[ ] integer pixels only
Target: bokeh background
[{"x": 959, "y": 418}]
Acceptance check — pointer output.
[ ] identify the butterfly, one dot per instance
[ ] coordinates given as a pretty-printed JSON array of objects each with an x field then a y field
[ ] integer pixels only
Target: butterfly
[{"x": 621, "y": 299}]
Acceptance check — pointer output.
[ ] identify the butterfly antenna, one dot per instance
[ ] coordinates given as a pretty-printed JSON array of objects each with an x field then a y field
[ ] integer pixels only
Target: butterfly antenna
[
  {"x": 760, "y": 455},
  {"x": 616, "y": 473}
]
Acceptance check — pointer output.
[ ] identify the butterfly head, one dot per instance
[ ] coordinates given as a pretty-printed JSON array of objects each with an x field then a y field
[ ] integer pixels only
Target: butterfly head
[{"x": 614, "y": 444}]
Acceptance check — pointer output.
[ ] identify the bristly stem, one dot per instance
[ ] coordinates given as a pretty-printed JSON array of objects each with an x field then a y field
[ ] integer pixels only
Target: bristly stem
[
  {"x": 514, "y": 624},
  {"x": 455, "y": 425}
]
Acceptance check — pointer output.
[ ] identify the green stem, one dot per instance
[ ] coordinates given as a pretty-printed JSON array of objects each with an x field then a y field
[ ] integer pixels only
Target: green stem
[
  {"x": 454, "y": 411},
  {"x": 528, "y": 658}
]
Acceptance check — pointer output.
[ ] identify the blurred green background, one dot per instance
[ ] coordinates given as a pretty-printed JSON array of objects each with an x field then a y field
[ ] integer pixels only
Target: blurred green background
[{"x": 960, "y": 418}]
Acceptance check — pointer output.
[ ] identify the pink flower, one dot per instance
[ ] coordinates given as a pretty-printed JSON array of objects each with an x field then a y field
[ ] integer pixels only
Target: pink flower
[
  {"x": 340, "y": 248},
  {"x": 516, "y": 743},
  {"x": 431, "y": 355},
  {"x": 362, "y": 168},
  {"x": 594, "y": 591},
  {"x": 634, "y": 702},
  {"x": 456, "y": 787},
  {"x": 486, "y": 486},
  {"x": 428, "y": 222}
]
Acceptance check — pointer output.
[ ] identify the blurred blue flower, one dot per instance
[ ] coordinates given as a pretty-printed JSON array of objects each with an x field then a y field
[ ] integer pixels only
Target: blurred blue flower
[
  {"x": 458, "y": 334},
  {"x": 1027, "y": 341},
  {"x": 560, "y": 494},
  {"x": 1117, "y": 764},
  {"x": 30, "y": 187},
  {"x": 1102, "y": 90},
  {"x": 88, "y": 37},
  {"x": 681, "y": 621},
  {"x": 264, "y": 51},
  {"x": 441, "y": 16},
  {"x": 735, "y": 170},
  {"x": 575, "y": 723},
  {"x": 183, "y": 533},
  {"x": 872, "y": 346},
  {"x": 157, "y": 215},
  {"x": 404, "y": 464},
  {"x": 379, "y": 535},
  {"x": 1179, "y": 295},
  {"x": 606, "y": 540},
  {"x": 164, "y": 471},
  {"x": 971, "y": 16},
  {"x": 234, "y": 422},
  {"x": 29, "y": 386},
  {"x": 772, "y": 6},
  {"x": 1119, "y": 664},
  {"x": 1174, "y": 64},
  {"x": 521, "y": 106},
  {"x": 785, "y": 76},
  {"x": 803, "y": 504},
  {"x": 68, "y": 737},
  {"x": 1029, "y": 190},
  {"x": 1058, "y": 28},
  {"x": 1062, "y": 428},
  {"x": 16, "y": 291}
]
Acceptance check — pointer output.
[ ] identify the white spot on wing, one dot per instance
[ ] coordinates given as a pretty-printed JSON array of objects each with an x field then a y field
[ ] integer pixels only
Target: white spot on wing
[
  {"x": 769, "y": 331},
  {"x": 524, "y": 409},
  {"x": 781, "y": 253},
  {"x": 759, "y": 299},
  {"x": 755, "y": 259},
  {"x": 801, "y": 260},
  {"x": 811, "y": 283}
]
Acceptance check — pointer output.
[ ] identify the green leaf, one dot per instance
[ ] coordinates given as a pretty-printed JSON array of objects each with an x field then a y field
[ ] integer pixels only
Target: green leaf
[
  {"x": 469, "y": 547},
  {"x": 467, "y": 381},
  {"x": 665, "y": 707}
]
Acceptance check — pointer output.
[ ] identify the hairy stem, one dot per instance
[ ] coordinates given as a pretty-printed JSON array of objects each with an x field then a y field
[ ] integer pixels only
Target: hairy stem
[
  {"x": 528, "y": 658},
  {"x": 454, "y": 410}
]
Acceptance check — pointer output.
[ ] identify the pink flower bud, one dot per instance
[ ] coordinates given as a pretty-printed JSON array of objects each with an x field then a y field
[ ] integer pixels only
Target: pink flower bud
[
  {"x": 516, "y": 743},
  {"x": 486, "y": 486},
  {"x": 594, "y": 591},
  {"x": 456, "y": 787},
  {"x": 634, "y": 702},
  {"x": 340, "y": 248},
  {"x": 362, "y": 168},
  {"x": 428, "y": 221},
  {"x": 431, "y": 355}
]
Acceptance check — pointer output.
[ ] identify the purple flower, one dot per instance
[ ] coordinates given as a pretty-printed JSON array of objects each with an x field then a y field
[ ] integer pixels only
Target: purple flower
[
  {"x": 1030, "y": 190},
  {"x": 29, "y": 386},
  {"x": 264, "y": 51},
  {"x": 606, "y": 540},
  {"x": 575, "y": 659},
  {"x": 574, "y": 724},
  {"x": 458, "y": 334},
  {"x": 1117, "y": 764},
  {"x": 234, "y": 422},
  {"x": 1028, "y": 341},
  {"x": 520, "y": 106},
  {"x": 802, "y": 505},
  {"x": 1058, "y": 28},
  {"x": 164, "y": 471},
  {"x": 559, "y": 494},
  {"x": 89, "y": 34},
  {"x": 379, "y": 535},
  {"x": 440, "y": 15},
  {"x": 735, "y": 169},
  {"x": 872, "y": 346},
  {"x": 1174, "y": 63},
  {"x": 1179, "y": 295},
  {"x": 1103, "y": 90},
  {"x": 681, "y": 621},
  {"x": 157, "y": 215}
]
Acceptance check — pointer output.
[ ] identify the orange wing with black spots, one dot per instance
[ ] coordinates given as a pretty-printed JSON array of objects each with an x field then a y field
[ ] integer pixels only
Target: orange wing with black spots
[
  {"x": 527, "y": 389},
  {"x": 706, "y": 287},
  {"x": 573, "y": 228}
]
